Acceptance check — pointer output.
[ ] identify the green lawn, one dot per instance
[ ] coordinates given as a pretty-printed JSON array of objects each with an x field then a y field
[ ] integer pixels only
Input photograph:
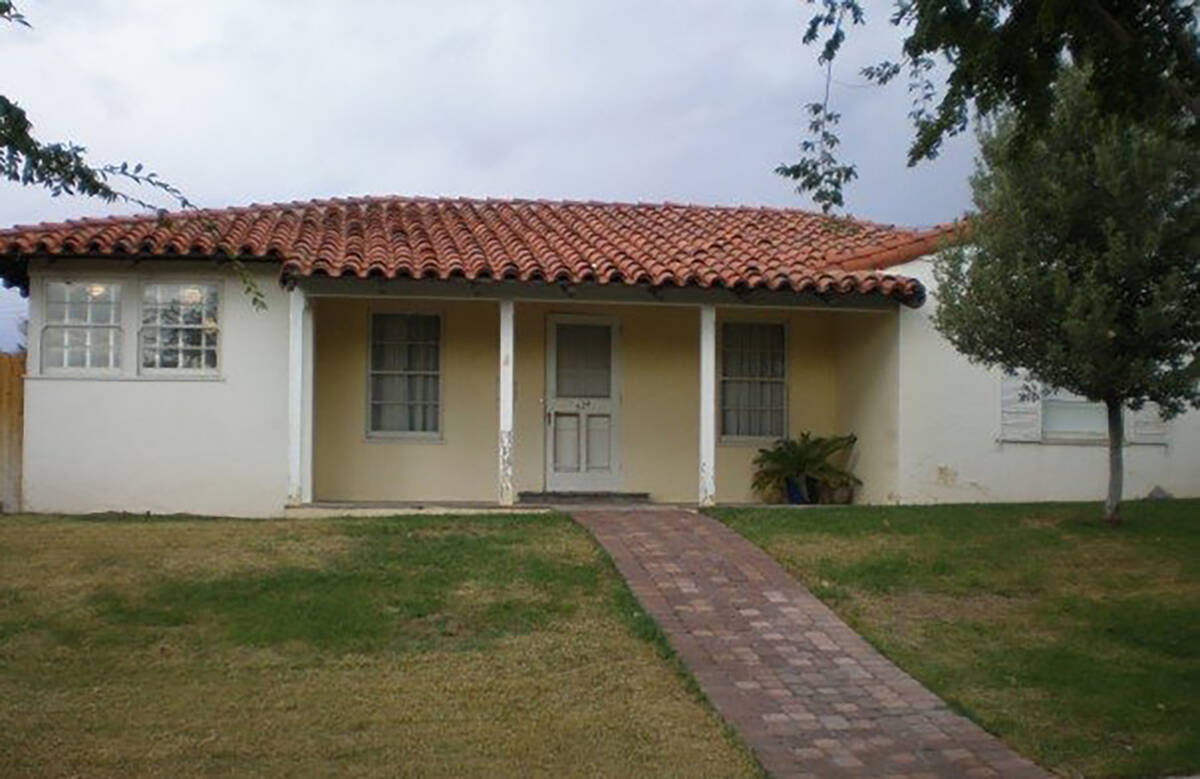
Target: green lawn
[
  {"x": 1076, "y": 642},
  {"x": 407, "y": 646}
]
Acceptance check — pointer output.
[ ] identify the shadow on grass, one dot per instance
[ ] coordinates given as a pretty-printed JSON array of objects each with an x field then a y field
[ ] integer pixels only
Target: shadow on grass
[{"x": 408, "y": 584}]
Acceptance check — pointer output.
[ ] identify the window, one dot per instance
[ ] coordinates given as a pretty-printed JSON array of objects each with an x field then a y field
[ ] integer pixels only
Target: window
[
  {"x": 405, "y": 370},
  {"x": 583, "y": 361},
  {"x": 1065, "y": 415},
  {"x": 753, "y": 380},
  {"x": 83, "y": 326},
  {"x": 1050, "y": 416},
  {"x": 179, "y": 327}
]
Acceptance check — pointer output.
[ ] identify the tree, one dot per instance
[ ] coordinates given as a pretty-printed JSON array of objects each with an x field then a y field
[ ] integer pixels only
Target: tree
[
  {"x": 63, "y": 168},
  {"x": 1007, "y": 55},
  {"x": 1084, "y": 263}
]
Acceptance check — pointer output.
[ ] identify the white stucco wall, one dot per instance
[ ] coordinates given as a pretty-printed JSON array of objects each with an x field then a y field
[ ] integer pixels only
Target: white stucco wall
[
  {"x": 134, "y": 443},
  {"x": 950, "y": 429},
  {"x": 867, "y": 364}
]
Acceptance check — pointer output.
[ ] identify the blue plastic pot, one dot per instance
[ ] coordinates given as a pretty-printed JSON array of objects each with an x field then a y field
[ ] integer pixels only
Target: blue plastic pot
[{"x": 796, "y": 494}]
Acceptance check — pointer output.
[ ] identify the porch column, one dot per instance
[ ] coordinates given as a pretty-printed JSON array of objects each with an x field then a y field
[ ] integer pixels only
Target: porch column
[
  {"x": 708, "y": 405},
  {"x": 507, "y": 490},
  {"x": 300, "y": 380}
]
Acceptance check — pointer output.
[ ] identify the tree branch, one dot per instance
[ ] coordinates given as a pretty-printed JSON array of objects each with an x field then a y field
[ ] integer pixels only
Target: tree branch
[{"x": 1183, "y": 47}]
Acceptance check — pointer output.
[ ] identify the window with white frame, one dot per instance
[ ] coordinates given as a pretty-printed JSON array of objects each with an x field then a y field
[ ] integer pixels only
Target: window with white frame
[
  {"x": 1035, "y": 413},
  {"x": 405, "y": 374},
  {"x": 180, "y": 327},
  {"x": 1066, "y": 415},
  {"x": 753, "y": 380},
  {"x": 82, "y": 328}
]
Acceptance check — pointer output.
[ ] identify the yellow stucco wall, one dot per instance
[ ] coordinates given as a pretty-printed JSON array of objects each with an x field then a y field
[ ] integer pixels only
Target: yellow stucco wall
[
  {"x": 811, "y": 393},
  {"x": 461, "y": 465},
  {"x": 658, "y": 358},
  {"x": 658, "y": 363}
]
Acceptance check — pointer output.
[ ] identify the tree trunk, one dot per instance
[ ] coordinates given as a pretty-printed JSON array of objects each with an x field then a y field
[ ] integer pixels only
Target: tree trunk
[{"x": 1116, "y": 467}]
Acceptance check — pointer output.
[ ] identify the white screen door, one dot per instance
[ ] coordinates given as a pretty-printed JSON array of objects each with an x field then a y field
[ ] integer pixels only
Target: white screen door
[{"x": 581, "y": 406}]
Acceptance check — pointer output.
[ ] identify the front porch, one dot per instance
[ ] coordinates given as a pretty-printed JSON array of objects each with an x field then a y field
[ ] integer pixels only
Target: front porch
[{"x": 441, "y": 393}]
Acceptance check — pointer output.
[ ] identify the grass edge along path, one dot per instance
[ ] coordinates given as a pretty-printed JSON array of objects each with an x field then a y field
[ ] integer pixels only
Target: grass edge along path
[
  {"x": 1075, "y": 642},
  {"x": 145, "y": 632}
]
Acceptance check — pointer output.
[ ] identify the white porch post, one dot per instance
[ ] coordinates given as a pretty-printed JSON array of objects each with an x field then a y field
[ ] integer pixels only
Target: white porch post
[
  {"x": 507, "y": 491},
  {"x": 300, "y": 379},
  {"x": 708, "y": 405}
]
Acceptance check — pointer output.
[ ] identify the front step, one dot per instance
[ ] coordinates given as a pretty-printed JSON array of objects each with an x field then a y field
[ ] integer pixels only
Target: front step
[{"x": 558, "y": 498}]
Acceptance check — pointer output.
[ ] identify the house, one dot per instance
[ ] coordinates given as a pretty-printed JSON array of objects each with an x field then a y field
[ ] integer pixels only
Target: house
[{"x": 456, "y": 350}]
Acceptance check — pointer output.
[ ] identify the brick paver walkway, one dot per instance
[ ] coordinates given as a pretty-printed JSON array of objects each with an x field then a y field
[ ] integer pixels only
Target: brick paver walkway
[{"x": 808, "y": 695}]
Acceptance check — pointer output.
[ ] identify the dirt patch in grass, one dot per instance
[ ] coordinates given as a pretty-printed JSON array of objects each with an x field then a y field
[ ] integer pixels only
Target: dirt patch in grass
[
  {"x": 1074, "y": 641},
  {"x": 416, "y": 647}
]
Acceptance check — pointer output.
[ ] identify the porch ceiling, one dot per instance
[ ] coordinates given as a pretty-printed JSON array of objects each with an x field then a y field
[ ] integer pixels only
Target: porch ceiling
[
  {"x": 562, "y": 243},
  {"x": 536, "y": 291}
]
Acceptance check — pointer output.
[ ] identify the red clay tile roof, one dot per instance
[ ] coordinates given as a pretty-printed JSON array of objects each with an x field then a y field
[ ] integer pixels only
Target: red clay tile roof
[{"x": 526, "y": 240}]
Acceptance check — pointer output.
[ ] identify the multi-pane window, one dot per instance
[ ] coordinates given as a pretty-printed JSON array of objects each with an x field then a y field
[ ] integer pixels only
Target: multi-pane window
[
  {"x": 405, "y": 372},
  {"x": 83, "y": 326},
  {"x": 753, "y": 380},
  {"x": 180, "y": 331}
]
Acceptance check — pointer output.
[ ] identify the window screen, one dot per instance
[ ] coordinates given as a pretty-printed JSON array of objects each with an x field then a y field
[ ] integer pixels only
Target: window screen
[
  {"x": 753, "y": 380},
  {"x": 405, "y": 373},
  {"x": 583, "y": 361},
  {"x": 1065, "y": 415}
]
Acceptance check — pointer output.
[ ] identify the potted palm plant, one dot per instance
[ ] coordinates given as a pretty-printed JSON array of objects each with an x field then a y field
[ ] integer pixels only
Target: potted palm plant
[{"x": 801, "y": 470}]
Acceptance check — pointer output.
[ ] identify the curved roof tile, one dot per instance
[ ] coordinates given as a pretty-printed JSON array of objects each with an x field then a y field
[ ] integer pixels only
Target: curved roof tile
[{"x": 575, "y": 242}]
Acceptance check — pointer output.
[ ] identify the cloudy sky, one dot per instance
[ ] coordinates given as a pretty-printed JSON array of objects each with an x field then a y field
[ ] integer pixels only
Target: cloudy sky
[{"x": 240, "y": 101}]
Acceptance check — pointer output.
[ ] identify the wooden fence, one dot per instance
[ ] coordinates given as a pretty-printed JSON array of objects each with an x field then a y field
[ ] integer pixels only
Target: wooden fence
[{"x": 12, "y": 416}]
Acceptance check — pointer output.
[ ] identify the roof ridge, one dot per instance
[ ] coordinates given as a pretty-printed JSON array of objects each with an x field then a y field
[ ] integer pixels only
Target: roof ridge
[{"x": 462, "y": 199}]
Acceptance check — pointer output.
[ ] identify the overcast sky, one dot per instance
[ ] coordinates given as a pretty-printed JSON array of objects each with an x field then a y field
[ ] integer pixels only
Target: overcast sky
[{"x": 240, "y": 101}]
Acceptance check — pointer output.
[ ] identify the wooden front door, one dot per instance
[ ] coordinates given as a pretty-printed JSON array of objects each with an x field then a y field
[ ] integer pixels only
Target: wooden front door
[{"x": 582, "y": 405}]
